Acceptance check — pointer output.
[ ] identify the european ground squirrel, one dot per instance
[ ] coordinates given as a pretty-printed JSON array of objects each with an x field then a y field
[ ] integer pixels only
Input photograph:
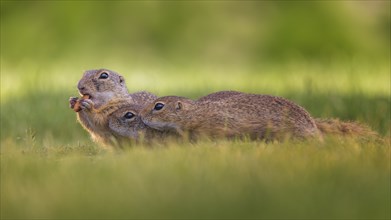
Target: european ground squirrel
[
  {"x": 254, "y": 116},
  {"x": 103, "y": 91}
]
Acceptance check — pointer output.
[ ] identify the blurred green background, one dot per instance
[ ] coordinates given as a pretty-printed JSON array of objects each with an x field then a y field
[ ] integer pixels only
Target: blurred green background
[{"x": 331, "y": 57}]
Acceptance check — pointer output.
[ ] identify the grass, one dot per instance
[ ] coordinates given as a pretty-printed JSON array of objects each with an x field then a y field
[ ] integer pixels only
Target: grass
[{"x": 337, "y": 179}]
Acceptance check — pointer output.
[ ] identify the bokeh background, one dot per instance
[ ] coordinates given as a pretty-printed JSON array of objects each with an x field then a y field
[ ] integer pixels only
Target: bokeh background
[{"x": 331, "y": 57}]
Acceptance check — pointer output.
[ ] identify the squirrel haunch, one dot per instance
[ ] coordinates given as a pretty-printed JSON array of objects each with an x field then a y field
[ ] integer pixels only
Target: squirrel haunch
[{"x": 256, "y": 116}]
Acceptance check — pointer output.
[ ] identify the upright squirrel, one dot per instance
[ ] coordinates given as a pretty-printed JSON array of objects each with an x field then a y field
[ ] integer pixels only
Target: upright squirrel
[
  {"x": 103, "y": 91},
  {"x": 255, "y": 116}
]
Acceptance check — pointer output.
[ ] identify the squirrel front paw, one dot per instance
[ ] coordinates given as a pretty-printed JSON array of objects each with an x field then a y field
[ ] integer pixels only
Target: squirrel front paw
[
  {"x": 72, "y": 102},
  {"x": 86, "y": 104}
]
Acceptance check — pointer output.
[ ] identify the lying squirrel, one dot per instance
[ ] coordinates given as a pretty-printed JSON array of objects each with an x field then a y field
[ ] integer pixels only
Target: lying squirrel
[
  {"x": 103, "y": 91},
  {"x": 231, "y": 113},
  {"x": 250, "y": 115}
]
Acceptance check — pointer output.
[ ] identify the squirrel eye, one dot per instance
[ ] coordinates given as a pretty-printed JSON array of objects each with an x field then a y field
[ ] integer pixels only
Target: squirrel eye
[
  {"x": 104, "y": 75},
  {"x": 129, "y": 115},
  {"x": 158, "y": 106}
]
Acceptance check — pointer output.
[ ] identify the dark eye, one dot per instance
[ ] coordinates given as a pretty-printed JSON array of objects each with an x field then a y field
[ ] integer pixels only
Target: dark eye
[
  {"x": 158, "y": 106},
  {"x": 104, "y": 75},
  {"x": 129, "y": 115}
]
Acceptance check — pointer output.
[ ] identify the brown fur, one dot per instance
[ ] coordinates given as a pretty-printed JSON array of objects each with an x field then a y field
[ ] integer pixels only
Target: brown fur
[
  {"x": 216, "y": 96},
  {"x": 255, "y": 116},
  {"x": 105, "y": 97}
]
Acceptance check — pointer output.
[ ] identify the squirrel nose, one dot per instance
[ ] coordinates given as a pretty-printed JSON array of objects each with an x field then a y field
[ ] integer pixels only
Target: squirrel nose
[{"x": 81, "y": 87}]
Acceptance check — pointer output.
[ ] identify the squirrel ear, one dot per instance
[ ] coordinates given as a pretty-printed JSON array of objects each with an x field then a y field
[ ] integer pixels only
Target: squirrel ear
[
  {"x": 121, "y": 80},
  {"x": 179, "y": 105}
]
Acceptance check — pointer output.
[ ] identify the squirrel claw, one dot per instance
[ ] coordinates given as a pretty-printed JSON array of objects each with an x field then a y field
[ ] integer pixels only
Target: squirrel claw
[{"x": 86, "y": 104}]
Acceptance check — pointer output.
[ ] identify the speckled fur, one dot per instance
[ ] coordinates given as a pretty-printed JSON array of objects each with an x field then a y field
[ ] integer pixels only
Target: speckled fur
[
  {"x": 250, "y": 115},
  {"x": 216, "y": 96}
]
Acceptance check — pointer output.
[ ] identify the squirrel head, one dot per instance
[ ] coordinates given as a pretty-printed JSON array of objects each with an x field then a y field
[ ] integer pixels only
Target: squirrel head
[
  {"x": 126, "y": 122},
  {"x": 102, "y": 85},
  {"x": 167, "y": 113}
]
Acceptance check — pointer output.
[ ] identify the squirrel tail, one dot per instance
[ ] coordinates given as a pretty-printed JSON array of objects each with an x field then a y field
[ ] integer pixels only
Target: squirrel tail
[{"x": 344, "y": 128}]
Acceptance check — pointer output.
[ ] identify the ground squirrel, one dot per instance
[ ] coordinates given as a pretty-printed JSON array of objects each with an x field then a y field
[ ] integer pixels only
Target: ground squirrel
[
  {"x": 103, "y": 91},
  {"x": 255, "y": 116}
]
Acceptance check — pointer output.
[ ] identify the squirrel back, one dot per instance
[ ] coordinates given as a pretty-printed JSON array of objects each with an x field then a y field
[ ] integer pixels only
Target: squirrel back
[{"x": 216, "y": 96}]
